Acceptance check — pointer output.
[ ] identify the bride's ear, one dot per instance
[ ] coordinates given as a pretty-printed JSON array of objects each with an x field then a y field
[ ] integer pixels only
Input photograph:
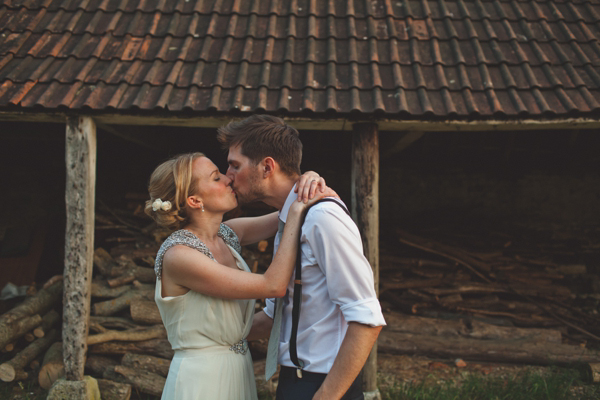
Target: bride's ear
[{"x": 194, "y": 202}]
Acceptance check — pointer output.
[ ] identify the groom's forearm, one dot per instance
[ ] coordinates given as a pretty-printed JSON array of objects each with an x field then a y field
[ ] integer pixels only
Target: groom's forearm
[
  {"x": 353, "y": 354},
  {"x": 261, "y": 326}
]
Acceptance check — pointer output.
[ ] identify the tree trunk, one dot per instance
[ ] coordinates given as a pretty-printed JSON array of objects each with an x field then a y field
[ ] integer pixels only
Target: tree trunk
[
  {"x": 80, "y": 155},
  {"x": 53, "y": 367},
  {"x": 148, "y": 363},
  {"x": 156, "y": 347},
  {"x": 145, "y": 312},
  {"x": 9, "y": 369},
  {"x": 132, "y": 335},
  {"x": 144, "y": 381},
  {"x": 524, "y": 351},
  {"x": 111, "y": 390},
  {"x": 13, "y": 330}
]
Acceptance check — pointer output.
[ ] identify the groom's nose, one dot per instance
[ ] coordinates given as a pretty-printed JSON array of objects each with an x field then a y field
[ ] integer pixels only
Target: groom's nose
[{"x": 229, "y": 174}]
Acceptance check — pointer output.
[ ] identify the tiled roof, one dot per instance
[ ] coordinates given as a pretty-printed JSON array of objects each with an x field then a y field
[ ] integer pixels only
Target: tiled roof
[{"x": 394, "y": 58}]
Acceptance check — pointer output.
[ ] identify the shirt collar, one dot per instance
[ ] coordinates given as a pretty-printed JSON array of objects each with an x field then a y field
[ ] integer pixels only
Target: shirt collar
[{"x": 292, "y": 196}]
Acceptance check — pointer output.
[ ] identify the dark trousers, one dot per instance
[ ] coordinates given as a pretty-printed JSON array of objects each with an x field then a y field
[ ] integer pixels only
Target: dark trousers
[{"x": 290, "y": 387}]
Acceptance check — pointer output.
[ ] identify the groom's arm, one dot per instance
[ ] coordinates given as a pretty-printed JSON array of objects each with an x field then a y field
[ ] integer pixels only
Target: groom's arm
[
  {"x": 261, "y": 326},
  {"x": 353, "y": 354}
]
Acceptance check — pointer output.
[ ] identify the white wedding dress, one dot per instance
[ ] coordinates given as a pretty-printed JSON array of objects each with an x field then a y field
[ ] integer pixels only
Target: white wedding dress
[{"x": 211, "y": 360}]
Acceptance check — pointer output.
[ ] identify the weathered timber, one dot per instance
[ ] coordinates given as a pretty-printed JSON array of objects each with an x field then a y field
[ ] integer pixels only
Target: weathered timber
[
  {"x": 466, "y": 328},
  {"x": 49, "y": 320},
  {"x": 511, "y": 351},
  {"x": 113, "y": 322},
  {"x": 53, "y": 367},
  {"x": 122, "y": 280},
  {"x": 156, "y": 365},
  {"x": 446, "y": 251},
  {"x": 13, "y": 330},
  {"x": 101, "y": 289},
  {"x": 104, "y": 262},
  {"x": 96, "y": 365},
  {"x": 115, "y": 305},
  {"x": 39, "y": 303},
  {"x": 145, "y": 312},
  {"x": 365, "y": 211},
  {"x": 144, "y": 381},
  {"x": 9, "y": 369},
  {"x": 111, "y": 390},
  {"x": 80, "y": 155},
  {"x": 156, "y": 347},
  {"x": 132, "y": 335}
]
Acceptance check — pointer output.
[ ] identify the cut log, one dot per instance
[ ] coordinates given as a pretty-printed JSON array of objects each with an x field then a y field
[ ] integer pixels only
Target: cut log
[
  {"x": 131, "y": 335},
  {"x": 101, "y": 289},
  {"x": 510, "y": 351},
  {"x": 156, "y": 347},
  {"x": 145, "y": 312},
  {"x": 104, "y": 262},
  {"x": 148, "y": 363},
  {"x": 96, "y": 365},
  {"x": 113, "y": 322},
  {"x": 40, "y": 303},
  {"x": 11, "y": 331},
  {"x": 144, "y": 381},
  {"x": 53, "y": 367},
  {"x": 111, "y": 390},
  {"x": 8, "y": 370},
  {"x": 474, "y": 329},
  {"x": 49, "y": 320},
  {"x": 122, "y": 302},
  {"x": 121, "y": 280}
]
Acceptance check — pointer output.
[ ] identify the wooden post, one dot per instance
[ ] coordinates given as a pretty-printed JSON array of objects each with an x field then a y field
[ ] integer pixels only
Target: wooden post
[
  {"x": 365, "y": 211},
  {"x": 79, "y": 242}
]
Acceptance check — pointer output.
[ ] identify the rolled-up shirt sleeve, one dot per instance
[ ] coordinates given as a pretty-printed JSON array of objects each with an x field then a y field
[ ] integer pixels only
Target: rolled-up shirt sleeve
[
  {"x": 336, "y": 245},
  {"x": 269, "y": 308}
]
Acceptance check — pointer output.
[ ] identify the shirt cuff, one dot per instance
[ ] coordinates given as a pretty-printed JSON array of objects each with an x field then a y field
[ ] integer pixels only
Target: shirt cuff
[
  {"x": 366, "y": 311},
  {"x": 269, "y": 309}
]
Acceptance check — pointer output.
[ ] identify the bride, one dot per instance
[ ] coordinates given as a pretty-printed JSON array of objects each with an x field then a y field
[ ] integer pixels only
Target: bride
[{"x": 205, "y": 291}]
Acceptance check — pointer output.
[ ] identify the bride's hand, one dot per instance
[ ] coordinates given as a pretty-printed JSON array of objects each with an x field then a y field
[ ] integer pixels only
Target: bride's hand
[
  {"x": 327, "y": 192},
  {"x": 307, "y": 186}
]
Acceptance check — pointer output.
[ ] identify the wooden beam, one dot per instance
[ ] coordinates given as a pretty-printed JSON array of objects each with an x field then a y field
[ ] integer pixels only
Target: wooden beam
[
  {"x": 79, "y": 241},
  {"x": 319, "y": 124},
  {"x": 365, "y": 211}
]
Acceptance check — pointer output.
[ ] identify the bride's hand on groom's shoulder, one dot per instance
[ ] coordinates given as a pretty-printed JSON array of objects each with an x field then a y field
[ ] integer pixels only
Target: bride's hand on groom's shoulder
[{"x": 307, "y": 185}]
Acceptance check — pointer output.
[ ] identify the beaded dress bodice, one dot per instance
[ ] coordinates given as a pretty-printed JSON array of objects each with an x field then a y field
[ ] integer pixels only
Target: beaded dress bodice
[{"x": 187, "y": 238}]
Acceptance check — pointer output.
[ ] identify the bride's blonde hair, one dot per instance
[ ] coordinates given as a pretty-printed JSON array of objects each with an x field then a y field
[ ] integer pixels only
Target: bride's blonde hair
[{"x": 172, "y": 181}]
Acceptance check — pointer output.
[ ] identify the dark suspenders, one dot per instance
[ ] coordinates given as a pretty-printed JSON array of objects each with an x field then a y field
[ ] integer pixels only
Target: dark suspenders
[{"x": 298, "y": 293}]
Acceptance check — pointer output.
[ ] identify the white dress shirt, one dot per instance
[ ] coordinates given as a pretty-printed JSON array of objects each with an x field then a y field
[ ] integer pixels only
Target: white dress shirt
[{"x": 337, "y": 287}]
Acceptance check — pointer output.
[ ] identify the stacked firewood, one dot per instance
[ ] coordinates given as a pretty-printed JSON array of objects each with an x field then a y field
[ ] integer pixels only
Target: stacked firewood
[
  {"x": 28, "y": 332},
  {"x": 498, "y": 303}
]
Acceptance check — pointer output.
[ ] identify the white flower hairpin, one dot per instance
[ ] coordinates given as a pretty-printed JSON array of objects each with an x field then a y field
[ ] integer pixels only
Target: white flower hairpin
[{"x": 158, "y": 204}]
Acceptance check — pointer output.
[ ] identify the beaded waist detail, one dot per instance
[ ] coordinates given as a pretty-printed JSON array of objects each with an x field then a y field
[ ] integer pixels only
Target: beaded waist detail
[{"x": 240, "y": 347}]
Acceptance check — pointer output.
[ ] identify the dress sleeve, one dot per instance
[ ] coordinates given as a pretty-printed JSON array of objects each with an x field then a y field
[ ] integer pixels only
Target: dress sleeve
[
  {"x": 230, "y": 238},
  {"x": 335, "y": 243}
]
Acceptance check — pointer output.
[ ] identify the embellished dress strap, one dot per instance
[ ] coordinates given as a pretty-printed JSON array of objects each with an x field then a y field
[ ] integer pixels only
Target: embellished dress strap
[{"x": 187, "y": 238}]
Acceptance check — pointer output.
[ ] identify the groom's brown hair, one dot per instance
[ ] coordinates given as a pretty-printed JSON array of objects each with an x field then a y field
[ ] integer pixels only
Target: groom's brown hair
[{"x": 261, "y": 136}]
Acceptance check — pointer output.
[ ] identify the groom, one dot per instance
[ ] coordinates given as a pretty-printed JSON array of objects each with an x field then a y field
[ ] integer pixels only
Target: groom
[{"x": 341, "y": 316}]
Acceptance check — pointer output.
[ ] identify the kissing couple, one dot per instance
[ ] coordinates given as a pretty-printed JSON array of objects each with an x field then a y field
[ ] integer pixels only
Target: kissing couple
[{"x": 322, "y": 316}]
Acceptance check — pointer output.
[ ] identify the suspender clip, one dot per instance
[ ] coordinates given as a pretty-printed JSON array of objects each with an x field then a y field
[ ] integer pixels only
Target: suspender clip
[
  {"x": 297, "y": 281},
  {"x": 299, "y": 373}
]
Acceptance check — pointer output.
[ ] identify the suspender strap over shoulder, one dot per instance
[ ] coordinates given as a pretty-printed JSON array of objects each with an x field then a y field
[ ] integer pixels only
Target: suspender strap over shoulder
[{"x": 298, "y": 293}]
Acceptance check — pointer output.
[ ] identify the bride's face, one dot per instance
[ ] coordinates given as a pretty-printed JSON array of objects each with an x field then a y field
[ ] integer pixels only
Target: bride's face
[{"x": 212, "y": 187}]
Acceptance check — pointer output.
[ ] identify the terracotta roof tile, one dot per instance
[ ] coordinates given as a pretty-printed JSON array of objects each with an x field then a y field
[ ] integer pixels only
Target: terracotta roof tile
[{"x": 405, "y": 58}]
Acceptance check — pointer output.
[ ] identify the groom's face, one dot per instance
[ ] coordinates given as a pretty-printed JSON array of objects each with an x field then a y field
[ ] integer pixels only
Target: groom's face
[{"x": 246, "y": 180}]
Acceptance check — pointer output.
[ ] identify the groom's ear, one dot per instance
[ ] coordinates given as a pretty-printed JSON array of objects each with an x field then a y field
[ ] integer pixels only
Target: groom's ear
[{"x": 268, "y": 166}]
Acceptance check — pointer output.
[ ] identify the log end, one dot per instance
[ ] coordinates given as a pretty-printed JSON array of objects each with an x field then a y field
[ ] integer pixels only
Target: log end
[{"x": 7, "y": 372}]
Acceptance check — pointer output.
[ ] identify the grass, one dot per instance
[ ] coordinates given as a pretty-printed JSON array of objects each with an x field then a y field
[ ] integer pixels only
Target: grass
[{"x": 556, "y": 384}]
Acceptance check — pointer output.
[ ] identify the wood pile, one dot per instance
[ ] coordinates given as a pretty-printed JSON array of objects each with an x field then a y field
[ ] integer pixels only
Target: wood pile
[{"x": 478, "y": 299}]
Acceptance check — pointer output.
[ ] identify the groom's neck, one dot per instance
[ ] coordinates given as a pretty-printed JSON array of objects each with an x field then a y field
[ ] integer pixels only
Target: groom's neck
[{"x": 278, "y": 190}]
